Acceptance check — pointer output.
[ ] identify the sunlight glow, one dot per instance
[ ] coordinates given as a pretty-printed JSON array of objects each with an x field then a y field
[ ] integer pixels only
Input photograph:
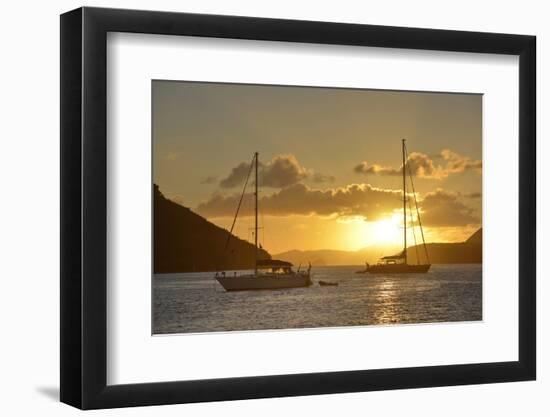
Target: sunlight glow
[
  {"x": 387, "y": 230},
  {"x": 361, "y": 233}
]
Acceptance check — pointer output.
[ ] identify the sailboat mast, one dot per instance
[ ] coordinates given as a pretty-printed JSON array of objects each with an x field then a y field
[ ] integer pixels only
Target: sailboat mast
[
  {"x": 404, "y": 205},
  {"x": 256, "y": 216},
  {"x": 418, "y": 213}
]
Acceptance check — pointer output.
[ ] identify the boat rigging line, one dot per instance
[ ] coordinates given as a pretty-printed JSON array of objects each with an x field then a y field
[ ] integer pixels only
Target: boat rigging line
[
  {"x": 416, "y": 204},
  {"x": 240, "y": 202}
]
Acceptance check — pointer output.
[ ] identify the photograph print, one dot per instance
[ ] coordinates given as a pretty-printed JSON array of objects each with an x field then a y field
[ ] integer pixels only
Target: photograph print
[{"x": 291, "y": 207}]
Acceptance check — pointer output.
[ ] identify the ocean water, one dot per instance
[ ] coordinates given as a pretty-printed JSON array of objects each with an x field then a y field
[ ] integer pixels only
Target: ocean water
[{"x": 195, "y": 302}]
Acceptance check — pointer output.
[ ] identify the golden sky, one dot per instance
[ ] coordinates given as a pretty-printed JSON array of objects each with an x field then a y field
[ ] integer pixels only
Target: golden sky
[{"x": 330, "y": 160}]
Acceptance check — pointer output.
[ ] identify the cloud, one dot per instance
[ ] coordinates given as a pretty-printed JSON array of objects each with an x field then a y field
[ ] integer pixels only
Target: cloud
[
  {"x": 444, "y": 209},
  {"x": 209, "y": 180},
  {"x": 298, "y": 199},
  {"x": 440, "y": 208},
  {"x": 365, "y": 168},
  {"x": 319, "y": 178},
  {"x": 423, "y": 166},
  {"x": 457, "y": 163},
  {"x": 472, "y": 195},
  {"x": 280, "y": 172},
  {"x": 236, "y": 177}
]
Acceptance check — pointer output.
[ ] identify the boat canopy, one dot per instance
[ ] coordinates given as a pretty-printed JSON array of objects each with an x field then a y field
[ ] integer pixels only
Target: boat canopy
[{"x": 273, "y": 263}]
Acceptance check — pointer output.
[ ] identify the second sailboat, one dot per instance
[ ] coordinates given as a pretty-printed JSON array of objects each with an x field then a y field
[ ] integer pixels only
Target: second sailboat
[{"x": 397, "y": 264}]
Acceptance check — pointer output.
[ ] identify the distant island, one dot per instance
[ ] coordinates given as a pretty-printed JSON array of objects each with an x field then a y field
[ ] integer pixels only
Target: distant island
[
  {"x": 324, "y": 257},
  {"x": 186, "y": 242},
  {"x": 469, "y": 251}
]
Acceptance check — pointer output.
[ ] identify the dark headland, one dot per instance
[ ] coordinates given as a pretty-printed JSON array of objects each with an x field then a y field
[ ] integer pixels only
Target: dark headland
[
  {"x": 186, "y": 242},
  {"x": 467, "y": 252}
]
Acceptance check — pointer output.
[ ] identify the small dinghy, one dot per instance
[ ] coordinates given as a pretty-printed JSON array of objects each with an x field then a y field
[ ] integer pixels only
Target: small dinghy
[{"x": 329, "y": 283}]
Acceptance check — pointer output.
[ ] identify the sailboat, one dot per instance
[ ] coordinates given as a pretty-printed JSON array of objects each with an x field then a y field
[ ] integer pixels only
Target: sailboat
[
  {"x": 398, "y": 264},
  {"x": 269, "y": 274}
]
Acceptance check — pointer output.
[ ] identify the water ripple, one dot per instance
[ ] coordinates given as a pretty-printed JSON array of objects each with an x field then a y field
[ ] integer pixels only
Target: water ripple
[{"x": 184, "y": 303}]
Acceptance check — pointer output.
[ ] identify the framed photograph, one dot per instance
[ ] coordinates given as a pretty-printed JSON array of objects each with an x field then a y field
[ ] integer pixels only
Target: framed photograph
[{"x": 258, "y": 208}]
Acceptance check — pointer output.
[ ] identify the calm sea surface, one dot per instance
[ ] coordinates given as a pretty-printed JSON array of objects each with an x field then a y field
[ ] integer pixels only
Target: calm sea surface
[{"x": 195, "y": 302}]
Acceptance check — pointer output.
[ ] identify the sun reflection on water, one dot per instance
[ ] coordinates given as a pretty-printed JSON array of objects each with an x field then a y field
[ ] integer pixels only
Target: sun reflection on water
[{"x": 387, "y": 305}]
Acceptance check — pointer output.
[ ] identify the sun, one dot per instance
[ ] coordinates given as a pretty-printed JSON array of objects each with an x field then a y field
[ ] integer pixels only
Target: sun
[
  {"x": 360, "y": 233},
  {"x": 386, "y": 230}
]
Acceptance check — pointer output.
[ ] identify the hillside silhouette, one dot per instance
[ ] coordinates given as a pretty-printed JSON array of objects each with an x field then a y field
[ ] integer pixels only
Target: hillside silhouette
[
  {"x": 322, "y": 257},
  {"x": 186, "y": 242},
  {"x": 469, "y": 251}
]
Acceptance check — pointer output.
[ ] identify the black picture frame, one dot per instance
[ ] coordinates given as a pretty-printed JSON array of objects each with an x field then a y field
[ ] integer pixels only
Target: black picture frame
[{"x": 84, "y": 207}]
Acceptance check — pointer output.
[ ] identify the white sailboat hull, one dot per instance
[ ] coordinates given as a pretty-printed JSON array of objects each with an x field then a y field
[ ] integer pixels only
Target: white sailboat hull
[{"x": 264, "y": 282}]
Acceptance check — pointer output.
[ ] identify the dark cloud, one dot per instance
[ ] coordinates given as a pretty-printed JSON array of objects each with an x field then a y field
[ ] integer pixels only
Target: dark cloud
[
  {"x": 319, "y": 178},
  {"x": 444, "y": 209},
  {"x": 365, "y": 168},
  {"x": 472, "y": 195},
  {"x": 236, "y": 177},
  {"x": 209, "y": 180},
  {"x": 298, "y": 199},
  {"x": 423, "y": 166},
  {"x": 282, "y": 171},
  {"x": 438, "y": 209}
]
